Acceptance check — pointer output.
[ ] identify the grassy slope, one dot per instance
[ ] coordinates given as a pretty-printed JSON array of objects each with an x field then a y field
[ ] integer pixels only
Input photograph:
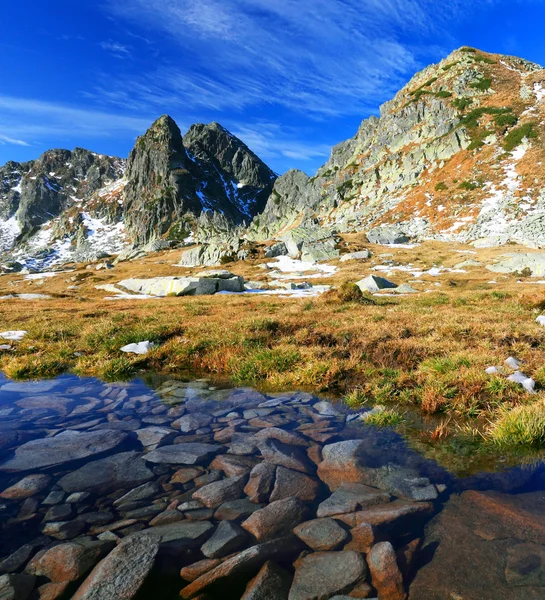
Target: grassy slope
[{"x": 428, "y": 350}]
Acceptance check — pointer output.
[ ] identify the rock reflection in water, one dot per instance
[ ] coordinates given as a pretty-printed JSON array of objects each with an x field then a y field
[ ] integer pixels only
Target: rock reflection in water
[{"x": 118, "y": 489}]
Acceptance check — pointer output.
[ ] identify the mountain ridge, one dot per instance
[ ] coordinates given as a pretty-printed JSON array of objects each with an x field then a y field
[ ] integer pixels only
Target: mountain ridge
[{"x": 454, "y": 156}]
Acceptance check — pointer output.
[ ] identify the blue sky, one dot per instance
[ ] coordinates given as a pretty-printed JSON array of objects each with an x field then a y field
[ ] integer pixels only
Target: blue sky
[{"x": 289, "y": 77}]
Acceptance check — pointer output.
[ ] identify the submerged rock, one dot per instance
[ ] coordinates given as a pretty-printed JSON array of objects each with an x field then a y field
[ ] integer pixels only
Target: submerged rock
[
  {"x": 121, "y": 574},
  {"x": 62, "y": 448}
]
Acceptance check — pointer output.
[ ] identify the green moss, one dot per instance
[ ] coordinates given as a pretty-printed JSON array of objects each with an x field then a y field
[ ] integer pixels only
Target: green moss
[
  {"x": 515, "y": 136},
  {"x": 462, "y": 103},
  {"x": 441, "y": 187},
  {"x": 482, "y": 84},
  {"x": 469, "y": 186},
  {"x": 468, "y": 50},
  {"x": 449, "y": 66},
  {"x": 505, "y": 120},
  {"x": 484, "y": 59},
  {"x": 443, "y": 94}
]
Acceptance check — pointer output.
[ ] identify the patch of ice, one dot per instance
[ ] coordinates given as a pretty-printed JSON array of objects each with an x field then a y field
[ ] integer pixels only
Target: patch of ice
[
  {"x": 492, "y": 370},
  {"x": 138, "y": 348},
  {"x": 285, "y": 264},
  {"x": 527, "y": 382},
  {"x": 14, "y": 335},
  {"x": 44, "y": 275},
  {"x": 541, "y": 320},
  {"x": 512, "y": 363}
]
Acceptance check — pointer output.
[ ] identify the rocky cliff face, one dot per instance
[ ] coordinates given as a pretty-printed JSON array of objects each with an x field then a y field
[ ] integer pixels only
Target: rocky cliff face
[
  {"x": 78, "y": 205},
  {"x": 172, "y": 180},
  {"x": 456, "y": 155},
  {"x": 53, "y": 204}
]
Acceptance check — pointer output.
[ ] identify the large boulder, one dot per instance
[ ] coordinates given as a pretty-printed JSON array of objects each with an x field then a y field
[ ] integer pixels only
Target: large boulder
[
  {"x": 531, "y": 263},
  {"x": 373, "y": 284},
  {"x": 387, "y": 234},
  {"x": 183, "y": 286}
]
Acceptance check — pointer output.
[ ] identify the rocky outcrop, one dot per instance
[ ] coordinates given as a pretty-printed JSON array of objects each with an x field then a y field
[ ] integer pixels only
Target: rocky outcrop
[
  {"x": 172, "y": 180},
  {"x": 399, "y": 176}
]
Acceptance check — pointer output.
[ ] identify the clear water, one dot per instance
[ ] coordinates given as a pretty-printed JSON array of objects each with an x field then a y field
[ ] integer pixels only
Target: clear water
[{"x": 45, "y": 409}]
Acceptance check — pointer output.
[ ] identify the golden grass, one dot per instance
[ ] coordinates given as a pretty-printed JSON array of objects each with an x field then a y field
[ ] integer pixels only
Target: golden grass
[{"x": 429, "y": 350}]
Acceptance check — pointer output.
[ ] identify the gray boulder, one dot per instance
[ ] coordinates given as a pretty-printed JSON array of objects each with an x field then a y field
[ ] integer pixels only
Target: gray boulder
[
  {"x": 518, "y": 262},
  {"x": 183, "y": 286},
  {"x": 373, "y": 284},
  {"x": 387, "y": 234}
]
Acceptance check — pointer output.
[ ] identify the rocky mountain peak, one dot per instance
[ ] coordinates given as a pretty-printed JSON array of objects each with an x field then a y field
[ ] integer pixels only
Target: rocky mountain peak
[{"x": 452, "y": 156}]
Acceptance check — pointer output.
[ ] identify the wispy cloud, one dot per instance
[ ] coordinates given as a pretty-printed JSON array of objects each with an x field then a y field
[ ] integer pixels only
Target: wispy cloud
[
  {"x": 4, "y": 139},
  {"x": 29, "y": 119},
  {"x": 115, "y": 48},
  {"x": 320, "y": 57}
]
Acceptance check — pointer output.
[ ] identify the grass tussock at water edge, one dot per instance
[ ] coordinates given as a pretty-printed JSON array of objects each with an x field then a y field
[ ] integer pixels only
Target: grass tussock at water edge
[{"x": 428, "y": 351}]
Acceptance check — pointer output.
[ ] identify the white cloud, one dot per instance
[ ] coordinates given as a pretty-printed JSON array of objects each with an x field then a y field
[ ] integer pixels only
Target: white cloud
[
  {"x": 4, "y": 139},
  {"x": 320, "y": 57},
  {"x": 29, "y": 119},
  {"x": 115, "y": 48}
]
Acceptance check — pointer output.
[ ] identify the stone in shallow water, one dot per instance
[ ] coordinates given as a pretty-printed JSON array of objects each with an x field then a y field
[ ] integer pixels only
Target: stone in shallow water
[
  {"x": 16, "y": 587},
  {"x": 247, "y": 561},
  {"x": 121, "y": 574},
  {"x": 324, "y": 574},
  {"x": 236, "y": 510},
  {"x": 261, "y": 482},
  {"x": 62, "y": 448},
  {"x": 341, "y": 463},
  {"x": 385, "y": 574},
  {"x": 26, "y": 487},
  {"x": 291, "y": 457},
  {"x": 271, "y": 582},
  {"x": 186, "y": 534},
  {"x": 232, "y": 465},
  {"x": 152, "y": 437},
  {"x": 227, "y": 538},
  {"x": 70, "y": 561},
  {"x": 321, "y": 534},
  {"x": 192, "y": 572},
  {"x": 288, "y": 437},
  {"x": 215, "y": 494},
  {"x": 276, "y": 519},
  {"x": 183, "y": 454},
  {"x": 119, "y": 471},
  {"x": 293, "y": 483},
  {"x": 350, "y": 497}
]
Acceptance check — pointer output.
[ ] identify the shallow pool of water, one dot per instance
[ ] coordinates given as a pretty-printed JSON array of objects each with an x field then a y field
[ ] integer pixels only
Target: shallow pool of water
[{"x": 189, "y": 467}]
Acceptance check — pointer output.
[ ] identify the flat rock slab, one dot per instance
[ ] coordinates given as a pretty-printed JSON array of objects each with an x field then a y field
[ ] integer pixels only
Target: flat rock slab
[
  {"x": 351, "y": 497},
  {"x": 271, "y": 582},
  {"x": 321, "y": 534},
  {"x": 121, "y": 574},
  {"x": 62, "y": 448},
  {"x": 192, "y": 453},
  {"x": 188, "y": 534},
  {"x": 120, "y": 471},
  {"x": 247, "y": 561},
  {"x": 486, "y": 546},
  {"x": 324, "y": 574}
]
